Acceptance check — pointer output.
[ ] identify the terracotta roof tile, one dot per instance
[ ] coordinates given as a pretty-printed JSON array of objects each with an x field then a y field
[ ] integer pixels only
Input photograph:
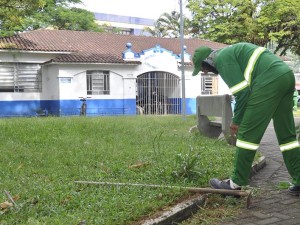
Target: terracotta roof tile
[{"x": 95, "y": 47}]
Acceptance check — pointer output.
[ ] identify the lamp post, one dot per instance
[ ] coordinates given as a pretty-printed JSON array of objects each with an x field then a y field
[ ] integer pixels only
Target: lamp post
[{"x": 183, "y": 101}]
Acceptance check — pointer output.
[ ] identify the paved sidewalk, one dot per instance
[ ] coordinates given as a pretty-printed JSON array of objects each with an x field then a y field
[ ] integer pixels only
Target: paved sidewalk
[{"x": 271, "y": 206}]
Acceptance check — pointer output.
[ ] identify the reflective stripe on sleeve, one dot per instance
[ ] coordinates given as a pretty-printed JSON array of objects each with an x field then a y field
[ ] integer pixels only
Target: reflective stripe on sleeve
[
  {"x": 248, "y": 71},
  {"x": 240, "y": 86},
  {"x": 251, "y": 63},
  {"x": 289, "y": 146},
  {"x": 246, "y": 145}
]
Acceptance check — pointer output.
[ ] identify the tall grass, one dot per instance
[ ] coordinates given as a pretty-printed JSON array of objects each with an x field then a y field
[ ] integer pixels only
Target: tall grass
[{"x": 42, "y": 157}]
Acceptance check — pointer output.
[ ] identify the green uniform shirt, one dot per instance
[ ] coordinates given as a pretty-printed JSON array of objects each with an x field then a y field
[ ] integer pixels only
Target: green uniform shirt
[{"x": 262, "y": 67}]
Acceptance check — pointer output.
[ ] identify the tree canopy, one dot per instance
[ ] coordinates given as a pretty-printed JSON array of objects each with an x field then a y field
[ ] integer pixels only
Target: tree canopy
[
  {"x": 22, "y": 15},
  {"x": 256, "y": 21}
]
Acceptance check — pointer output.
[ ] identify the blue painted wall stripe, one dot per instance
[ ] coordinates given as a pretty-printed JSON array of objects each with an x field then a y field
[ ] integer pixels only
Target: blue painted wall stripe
[{"x": 95, "y": 107}]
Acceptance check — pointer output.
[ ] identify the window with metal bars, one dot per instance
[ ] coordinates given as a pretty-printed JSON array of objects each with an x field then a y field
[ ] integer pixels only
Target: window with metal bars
[
  {"x": 97, "y": 82},
  {"x": 20, "y": 77},
  {"x": 209, "y": 84}
]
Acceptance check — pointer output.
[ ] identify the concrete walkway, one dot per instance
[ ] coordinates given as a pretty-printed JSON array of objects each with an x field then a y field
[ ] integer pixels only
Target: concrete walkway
[{"x": 271, "y": 206}]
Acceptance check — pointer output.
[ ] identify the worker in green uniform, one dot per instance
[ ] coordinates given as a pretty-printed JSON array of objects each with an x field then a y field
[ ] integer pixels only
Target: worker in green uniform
[
  {"x": 263, "y": 87},
  {"x": 295, "y": 98}
]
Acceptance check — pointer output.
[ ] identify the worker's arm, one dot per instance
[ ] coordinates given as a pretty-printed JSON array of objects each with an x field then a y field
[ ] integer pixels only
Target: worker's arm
[
  {"x": 241, "y": 99},
  {"x": 234, "y": 78}
]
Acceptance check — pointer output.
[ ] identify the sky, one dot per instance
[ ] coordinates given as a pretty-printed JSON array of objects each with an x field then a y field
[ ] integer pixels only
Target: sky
[{"x": 151, "y": 9}]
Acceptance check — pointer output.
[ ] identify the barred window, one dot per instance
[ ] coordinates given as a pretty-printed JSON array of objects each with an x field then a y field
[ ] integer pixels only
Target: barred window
[
  {"x": 209, "y": 84},
  {"x": 20, "y": 77},
  {"x": 97, "y": 82}
]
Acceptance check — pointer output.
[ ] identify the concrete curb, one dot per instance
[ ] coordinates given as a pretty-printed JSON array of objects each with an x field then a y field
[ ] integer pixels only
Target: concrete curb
[
  {"x": 257, "y": 166},
  {"x": 178, "y": 213},
  {"x": 184, "y": 210}
]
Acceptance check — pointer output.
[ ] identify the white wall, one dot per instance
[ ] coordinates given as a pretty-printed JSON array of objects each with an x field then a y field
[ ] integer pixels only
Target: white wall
[
  {"x": 122, "y": 81},
  {"x": 193, "y": 85},
  {"x": 222, "y": 87},
  {"x": 50, "y": 88},
  {"x": 122, "y": 77}
]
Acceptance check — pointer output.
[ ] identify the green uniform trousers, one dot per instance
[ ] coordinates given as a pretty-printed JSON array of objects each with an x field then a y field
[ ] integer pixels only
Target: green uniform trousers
[{"x": 273, "y": 101}]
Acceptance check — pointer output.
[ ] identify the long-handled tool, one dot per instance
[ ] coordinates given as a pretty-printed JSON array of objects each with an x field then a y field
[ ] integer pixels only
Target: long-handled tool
[{"x": 190, "y": 189}]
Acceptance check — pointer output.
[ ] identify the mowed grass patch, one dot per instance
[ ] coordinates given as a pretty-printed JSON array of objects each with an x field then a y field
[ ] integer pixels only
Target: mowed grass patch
[{"x": 42, "y": 157}]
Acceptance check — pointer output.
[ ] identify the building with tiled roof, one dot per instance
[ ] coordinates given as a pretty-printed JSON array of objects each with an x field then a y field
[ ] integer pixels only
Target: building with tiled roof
[{"x": 123, "y": 74}]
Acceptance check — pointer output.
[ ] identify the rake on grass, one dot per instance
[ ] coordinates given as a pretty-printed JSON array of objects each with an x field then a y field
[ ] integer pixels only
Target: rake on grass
[{"x": 190, "y": 189}]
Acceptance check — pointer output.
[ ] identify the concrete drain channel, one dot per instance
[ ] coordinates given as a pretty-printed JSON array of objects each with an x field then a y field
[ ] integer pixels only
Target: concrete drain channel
[{"x": 178, "y": 213}]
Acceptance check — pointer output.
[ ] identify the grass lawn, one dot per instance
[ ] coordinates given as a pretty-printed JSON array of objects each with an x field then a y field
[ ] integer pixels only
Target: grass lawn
[{"x": 42, "y": 157}]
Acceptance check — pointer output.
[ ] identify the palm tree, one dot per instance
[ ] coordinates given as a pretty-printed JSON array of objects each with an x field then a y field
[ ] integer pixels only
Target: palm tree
[
  {"x": 168, "y": 25},
  {"x": 157, "y": 31}
]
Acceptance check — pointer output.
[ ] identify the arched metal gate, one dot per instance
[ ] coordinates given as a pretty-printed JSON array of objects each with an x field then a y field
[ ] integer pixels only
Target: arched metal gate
[{"x": 158, "y": 93}]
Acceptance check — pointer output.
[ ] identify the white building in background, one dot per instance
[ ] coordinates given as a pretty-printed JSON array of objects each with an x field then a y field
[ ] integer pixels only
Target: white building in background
[
  {"x": 125, "y": 24},
  {"x": 122, "y": 74}
]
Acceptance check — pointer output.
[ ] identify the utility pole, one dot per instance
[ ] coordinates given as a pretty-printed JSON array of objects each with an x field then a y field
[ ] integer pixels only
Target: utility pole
[{"x": 183, "y": 100}]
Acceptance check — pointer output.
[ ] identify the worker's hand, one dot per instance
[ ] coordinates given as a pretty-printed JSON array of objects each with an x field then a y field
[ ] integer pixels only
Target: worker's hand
[{"x": 234, "y": 129}]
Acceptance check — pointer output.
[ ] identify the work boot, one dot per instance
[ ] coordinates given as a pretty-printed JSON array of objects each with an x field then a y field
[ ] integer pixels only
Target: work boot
[
  {"x": 224, "y": 184},
  {"x": 294, "y": 190}
]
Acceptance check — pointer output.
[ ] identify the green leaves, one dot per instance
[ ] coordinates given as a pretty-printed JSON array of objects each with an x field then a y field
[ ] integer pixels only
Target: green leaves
[
  {"x": 24, "y": 15},
  {"x": 255, "y": 21},
  {"x": 14, "y": 12},
  {"x": 186, "y": 165},
  {"x": 72, "y": 19},
  {"x": 282, "y": 21}
]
